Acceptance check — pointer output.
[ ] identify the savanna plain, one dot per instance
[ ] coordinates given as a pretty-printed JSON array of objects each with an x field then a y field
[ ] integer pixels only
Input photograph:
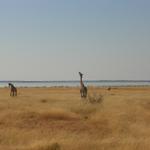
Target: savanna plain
[{"x": 57, "y": 118}]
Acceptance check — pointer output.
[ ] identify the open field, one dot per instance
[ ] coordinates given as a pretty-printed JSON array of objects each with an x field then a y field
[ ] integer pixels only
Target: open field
[{"x": 57, "y": 118}]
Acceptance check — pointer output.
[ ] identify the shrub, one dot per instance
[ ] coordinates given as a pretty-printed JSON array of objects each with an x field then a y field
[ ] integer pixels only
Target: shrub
[{"x": 95, "y": 98}]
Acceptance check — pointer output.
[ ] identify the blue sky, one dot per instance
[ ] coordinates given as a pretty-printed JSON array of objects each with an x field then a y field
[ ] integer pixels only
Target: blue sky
[{"x": 55, "y": 39}]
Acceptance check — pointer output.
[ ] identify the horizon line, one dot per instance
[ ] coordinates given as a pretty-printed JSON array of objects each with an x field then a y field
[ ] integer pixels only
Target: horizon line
[{"x": 95, "y": 80}]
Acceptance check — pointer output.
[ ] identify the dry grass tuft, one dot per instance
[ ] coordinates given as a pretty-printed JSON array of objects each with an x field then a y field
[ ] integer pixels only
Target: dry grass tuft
[
  {"x": 45, "y": 146},
  {"x": 85, "y": 109},
  {"x": 37, "y": 119},
  {"x": 95, "y": 98},
  {"x": 58, "y": 114},
  {"x": 43, "y": 101}
]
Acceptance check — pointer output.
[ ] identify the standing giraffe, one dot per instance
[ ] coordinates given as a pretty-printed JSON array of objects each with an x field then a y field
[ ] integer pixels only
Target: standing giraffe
[
  {"x": 13, "y": 89},
  {"x": 83, "y": 89}
]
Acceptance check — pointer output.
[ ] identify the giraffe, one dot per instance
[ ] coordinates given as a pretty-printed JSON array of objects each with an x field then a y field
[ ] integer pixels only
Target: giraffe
[
  {"x": 13, "y": 89},
  {"x": 83, "y": 89}
]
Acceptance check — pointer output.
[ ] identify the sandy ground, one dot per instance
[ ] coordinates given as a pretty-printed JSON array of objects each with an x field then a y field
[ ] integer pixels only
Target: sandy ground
[{"x": 57, "y": 118}]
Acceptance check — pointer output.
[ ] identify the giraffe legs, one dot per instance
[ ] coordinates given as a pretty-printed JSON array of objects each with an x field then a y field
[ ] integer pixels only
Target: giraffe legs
[
  {"x": 83, "y": 92},
  {"x": 13, "y": 93}
]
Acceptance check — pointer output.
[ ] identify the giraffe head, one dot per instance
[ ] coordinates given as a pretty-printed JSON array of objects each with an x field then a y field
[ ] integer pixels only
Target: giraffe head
[
  {"x": 9, "y": 84},
  {"x": 81, "y": 75}
]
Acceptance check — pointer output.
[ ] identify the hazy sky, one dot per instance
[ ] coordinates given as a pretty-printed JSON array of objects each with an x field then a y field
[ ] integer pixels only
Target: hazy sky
[{"x": 55, "y": 39}]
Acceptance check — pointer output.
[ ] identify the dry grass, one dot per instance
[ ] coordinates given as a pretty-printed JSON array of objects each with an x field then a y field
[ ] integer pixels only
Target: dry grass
[
  {"x": 45, "y": 146},
  {"x": 95, "y": 98},
  {"x": 58, "y": 119}
]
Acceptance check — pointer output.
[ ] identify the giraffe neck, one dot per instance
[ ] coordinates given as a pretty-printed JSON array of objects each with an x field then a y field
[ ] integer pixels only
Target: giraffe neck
[{"x": 81, "y": 82}]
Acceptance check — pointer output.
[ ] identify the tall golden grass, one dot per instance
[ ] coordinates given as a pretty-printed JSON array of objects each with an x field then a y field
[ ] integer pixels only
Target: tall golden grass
[{"x": 58, "y": 119}]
